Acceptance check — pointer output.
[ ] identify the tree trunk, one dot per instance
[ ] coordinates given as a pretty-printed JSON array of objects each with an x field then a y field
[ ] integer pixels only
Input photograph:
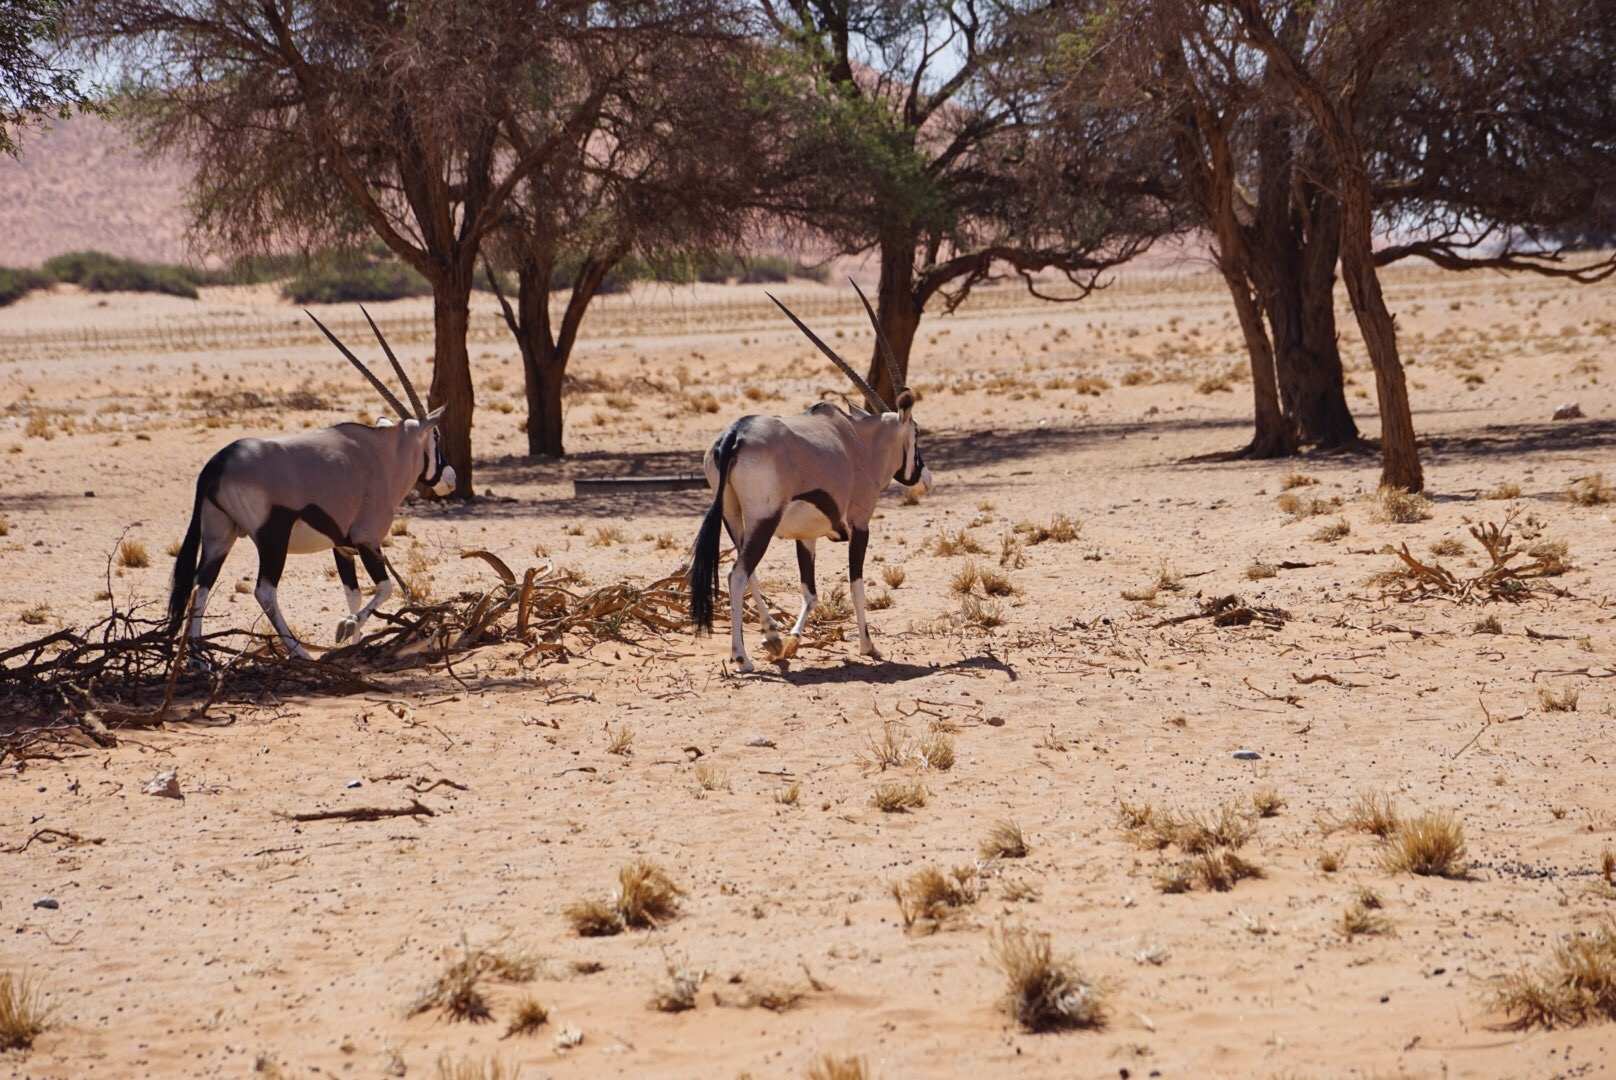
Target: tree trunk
[
  {"x": 1400, "y": 455},
  {"x": 1312, "y": 379},
  {"x": 1274, "y": 436},
  {"x": 543, "y": 367},
  {"x": 897, "y": 311},
  {"x": 451, "y": 372}
]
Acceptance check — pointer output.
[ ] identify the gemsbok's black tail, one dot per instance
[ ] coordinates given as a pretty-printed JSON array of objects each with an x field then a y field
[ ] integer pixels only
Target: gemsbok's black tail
[
  {"x": 185, "y": 563},
  {"x": 704, "y": 561}
]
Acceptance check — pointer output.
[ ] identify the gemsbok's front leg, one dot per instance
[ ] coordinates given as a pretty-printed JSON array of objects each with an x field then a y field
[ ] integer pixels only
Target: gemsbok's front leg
[
  {"x": 805, "y": 570},
  {"x": 376, "y": 567},
  {"x": 855, "y": 577},
  {"x": 271, "y": 539},
  {"x": 754, "y": 543},
  {"x": 350, "y": 589}
]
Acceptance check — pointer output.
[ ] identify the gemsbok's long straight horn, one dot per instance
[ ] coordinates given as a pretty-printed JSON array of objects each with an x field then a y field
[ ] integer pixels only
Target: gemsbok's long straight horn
[
  {"x": 381, "y": 387},
  {"x": 871, "y": 397},
  {"x": 880, "y": 339},
  {"x": 398, "y": 369}
]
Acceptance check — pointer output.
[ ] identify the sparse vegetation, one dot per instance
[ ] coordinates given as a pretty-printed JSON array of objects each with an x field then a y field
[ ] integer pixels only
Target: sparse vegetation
[
  {"x": 620, "y": 741},
  {"x": 1553, "y": 700},
  {"x": 936, "y": 751},
  {"x": 899, "y": 797},
  {"x": 1332, "y": 531},
  {"x": 1004, "y": 841},
  {"x": 1591, "y": 491},
  {"x": 1267, "y": 802},
  {"x": 133, "y": 555},
  {"x": 24, "y": 1016},
  {"x": 956, "y": 543},
  {"x": 929, "y": 896},
  {"x": 529, "y": 1017},
  {"x": 982, "y": 614},
  {"x": 1576, "y": 985},
  {"x": 893, "y": 574},
  {"x": 1045, "y": 993},
  {"x": 677, "y": 991},
  {"x": 1401, "y": 507},
  {"x": 1374, "y": 813},
  {"x": 1431, "y": 845},
  {"x": 646, "y": 897},
  {"x": 831, "y": 1067}
]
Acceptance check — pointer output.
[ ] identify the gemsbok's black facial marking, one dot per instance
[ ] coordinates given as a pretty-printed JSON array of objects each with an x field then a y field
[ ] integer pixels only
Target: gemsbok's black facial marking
[
  {"x": 821, "y": 501},
  {"x": 913, "y": 477}
]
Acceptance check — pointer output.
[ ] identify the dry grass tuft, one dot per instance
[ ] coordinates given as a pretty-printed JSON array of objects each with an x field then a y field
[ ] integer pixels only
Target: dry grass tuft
[
  {"x": 1401, "y": 507},
  {"x": 1448, "y": 547},
  {"x": 457, "y": 993},
  {"x": 133, "y": 554},
  {"x": 930, "y": 896},
  {"x": 621, "y": 741},
  {"x": 1591, "y": 491},
  {"x": 1503, "y": 491},
  {"x": 1174, "y": 878},
  {"x": 1562, "y": 701},
  {"x": 677, "y": 992},
  {"x": 1045, "y": 993},
  {"x": 982, "y": 614},
  {"x": 1258, "y": 571},
  {"x": 646, "y": 897},
  {"x": 831, "y": 1067},
  {"x": 1431, "y": 845},
  {"x": 529, "y": 1017},
  {"x": 958, "y": 543},
  {"x": 1219, "y": 871},
  {"x": 23, "y": 1012},
  {"x": 994, "y": 583},
  {"x": 1299, "y": 508},
  {"x": 1575, "y": 986},
  {"x": 1363, "y": 918},
  {"x": 1374, "y": 813},
  {"x": 888, "y": 751},
  {"x": 1060, "y": 530},
  {"x": 1329, "y": 861},
  {"x": 474, "y": 1069},
  {"x": 1487, "y": 624},
  {"x": 936, "y": 751},
  {"x": 1332, "y": 531},
  {"x": 1267, "y": 802},
  {"x": 893, "y": 574},
  {"x": 788, "y": 796},
  {"x": 878, "y": 602},
  {"x": 1004, "y": 841},
  {"x": 899, "y": 797},
  {"x": 712, "y": 777},
  {"x": 965, "y": 579},
  {"x": 1295, "y": 480}
]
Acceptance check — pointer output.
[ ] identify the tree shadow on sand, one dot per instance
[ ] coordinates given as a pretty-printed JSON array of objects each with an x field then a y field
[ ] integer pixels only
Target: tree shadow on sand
[{"x": 879, "y": 672}]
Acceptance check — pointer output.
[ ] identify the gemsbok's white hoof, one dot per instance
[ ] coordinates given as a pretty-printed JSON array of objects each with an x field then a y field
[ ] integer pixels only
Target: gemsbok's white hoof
[{"x": 345, "y": 629}]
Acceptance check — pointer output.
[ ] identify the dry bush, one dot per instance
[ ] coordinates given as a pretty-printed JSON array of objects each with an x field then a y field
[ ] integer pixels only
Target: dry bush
[
  {"x": 1299, "y": 508},
  {"x": 621, "y": 741},
  {"x": 457, "y": 993},
  {"x": 1448, "y": 547},
  {"x": 832, "y": 609},
  {"x": 982, "y": 614},
  {"x": 133, "y": 554},
  {"x": 1332, "y": 531},
  {"x": 1576, "y": 985},
  {"x": 831, "y": 1067},
  {"x": 172, "y": 550},
  {"x": 1134, "y": 817},
  {"x": 899, "y": 797},
  {"x": 1267, "y": 802},
  {"x": 474, "y": 1069},
  {"x": 888, "y": 751},
  {"x": 965, "y": 579},
  {"x": 1174, "y": 878},
  {"x": 1503, "y": 491},
  {"x": 936, "y": 751},
  {"x": 23, "y": 1012},
  {"x": 646, "y": 897},
  {"x": 1012, "y": 553},
  {"x": 1554, "y": 555},
  {"x": 1137, "y": 377},
  {"x": 677, "y": 991},
  {"x": 1501, "y": 579},
  {"x": 1219, "y": 871},
  {"x": 37, "y": 615},
  {"x": 1060, "y": 530},
  {"x": 879, "y": 602},
  {"x": 1361, "y": 918},
  {"x": 5, "y": 525},
  {"x": 994, "y": 583},
  {"x": 712, "y": 777},
  {"x": 958, "y": 543},
  {"x": 1562, "y": 701},
  {"x": 1214, "y": 384},
  {"x": 1197, "y": 833},
  {"x": 39, "y": 427},
  {"x": 1045, "y": 993},
  {"x": 893, "y": 574},
  {"x": 1591, "y": 491},
  {"x": 1431, "y": 845},
  {"x": 931, "y": 896},
  {"x": 1004, "y": 841},
  {"x": 1488, "y": 624},
  {"x": 1294, "y": 480},
  {"x": 606, "y": 536},
  {"x": 1258, "y": 571},
  {"x": 529, "y": 1017},
  {"x": 701, "y": 403},
  {"x": 1395, "y": 505},
  {"x": 1374, "y": 813},
  {"x": 788, "y": 796},
  {"x": 1329, "y": 861}
]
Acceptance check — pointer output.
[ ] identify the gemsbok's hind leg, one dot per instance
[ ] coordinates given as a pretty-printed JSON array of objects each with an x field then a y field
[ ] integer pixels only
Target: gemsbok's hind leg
[
  {"x": 218, "y": 537},
  {"x": 350, "y": 588},
  {"x": 376, "y": 567},
  {"x": 754, "y": 542},
  {"x": 771, "y": 631},
  {"x": 271, "y": 538},
  {"x": 855, "y": 578},
  {"x": 805, "y": 570}
]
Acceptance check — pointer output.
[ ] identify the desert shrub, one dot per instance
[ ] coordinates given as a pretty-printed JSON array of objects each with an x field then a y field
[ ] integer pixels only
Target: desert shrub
[
  {"x": 18, "y": 283},
  {"x": 96, "y": 271},
  {"x": 344, "y": 281}
]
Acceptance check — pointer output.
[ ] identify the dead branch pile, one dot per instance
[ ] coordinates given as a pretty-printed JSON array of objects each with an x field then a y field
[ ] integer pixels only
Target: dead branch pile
[
  {"x": 1231, "y": 611},
  {"x": 128, "y": 672},
  {"x": 1502, "y": 579}
]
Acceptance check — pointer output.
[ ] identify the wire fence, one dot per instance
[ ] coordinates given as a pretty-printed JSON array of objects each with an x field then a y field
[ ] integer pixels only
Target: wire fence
[{"x": 653, "y": 315}]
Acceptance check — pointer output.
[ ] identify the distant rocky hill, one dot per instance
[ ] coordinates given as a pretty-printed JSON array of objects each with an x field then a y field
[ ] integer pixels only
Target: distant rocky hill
[{"x": 82, "y": 184}]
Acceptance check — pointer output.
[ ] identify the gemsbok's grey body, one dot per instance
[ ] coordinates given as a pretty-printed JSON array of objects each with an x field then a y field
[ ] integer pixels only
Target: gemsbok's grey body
[
  {"x": 334, "y": 489},
  {"x": 807, "y": 477}
]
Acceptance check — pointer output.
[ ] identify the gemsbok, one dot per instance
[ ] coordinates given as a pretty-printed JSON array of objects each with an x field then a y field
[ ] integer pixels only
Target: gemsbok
[
  {"x": 334, "y": 489},
  {"x": 817, "y": 474}
]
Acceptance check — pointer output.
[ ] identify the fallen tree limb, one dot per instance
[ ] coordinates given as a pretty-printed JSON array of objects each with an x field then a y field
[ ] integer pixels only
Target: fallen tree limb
[{"x": 366, "y": 813}]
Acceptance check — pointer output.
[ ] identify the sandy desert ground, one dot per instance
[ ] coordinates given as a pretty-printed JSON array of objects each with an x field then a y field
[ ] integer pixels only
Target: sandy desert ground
[{"x": 212, "y": 936}]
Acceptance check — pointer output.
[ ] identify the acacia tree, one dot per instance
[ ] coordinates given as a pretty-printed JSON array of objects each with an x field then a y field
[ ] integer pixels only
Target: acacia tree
[
  {"x": 318, "y": 121},
  {"x": 34, "y": 83},
  {"x": 670, "y": 166},
  {"x": 912, "y": 142}
]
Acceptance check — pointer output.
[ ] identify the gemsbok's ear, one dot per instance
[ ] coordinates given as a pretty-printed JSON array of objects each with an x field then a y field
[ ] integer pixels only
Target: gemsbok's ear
[
  {"x": 906, "y": 402},
  {"x": 435, "y": 416}
]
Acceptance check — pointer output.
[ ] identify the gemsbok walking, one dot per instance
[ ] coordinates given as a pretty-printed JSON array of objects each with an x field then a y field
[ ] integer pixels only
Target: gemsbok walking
[
  {"x": 333, "y": 489},
  {"x": 817, "y": 474}
]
